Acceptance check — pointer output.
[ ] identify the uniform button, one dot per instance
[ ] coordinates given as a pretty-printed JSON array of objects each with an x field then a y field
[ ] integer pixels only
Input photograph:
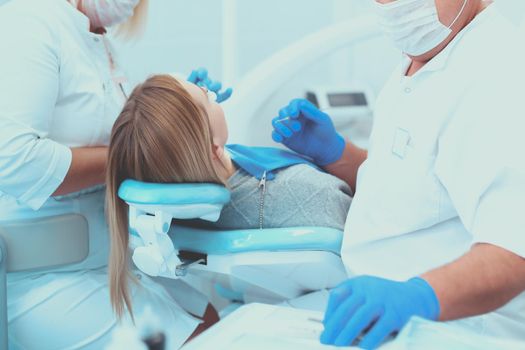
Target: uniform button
[
  {"x": 408, "y": 90},
  {"x": 139, "y": 276},
  {"x": 104, "y": 87},
  {"x": 96, "y": 40}
]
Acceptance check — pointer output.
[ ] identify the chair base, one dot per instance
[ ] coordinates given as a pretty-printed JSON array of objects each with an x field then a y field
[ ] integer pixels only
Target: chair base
[{"x": 271, "y": 277}]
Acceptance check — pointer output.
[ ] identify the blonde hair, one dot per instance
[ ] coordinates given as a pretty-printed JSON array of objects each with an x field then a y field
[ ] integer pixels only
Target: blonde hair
[{"x": 163, "y": 136}]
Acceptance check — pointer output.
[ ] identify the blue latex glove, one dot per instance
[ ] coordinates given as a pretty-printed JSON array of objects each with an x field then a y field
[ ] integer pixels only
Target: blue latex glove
[
  {"x": 376, "y": 306},
  {"x": 306, "y": 130},
  {"x": 200, "y": 77}
]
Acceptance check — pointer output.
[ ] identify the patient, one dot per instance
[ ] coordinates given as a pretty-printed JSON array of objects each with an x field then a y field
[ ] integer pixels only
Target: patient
[{"x": 170, "y": 131}]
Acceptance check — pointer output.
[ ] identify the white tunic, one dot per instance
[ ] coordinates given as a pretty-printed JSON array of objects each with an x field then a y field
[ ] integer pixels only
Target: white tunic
[
  {"x": 58, "y": 91},
  {"x": 446, "y": 166}
]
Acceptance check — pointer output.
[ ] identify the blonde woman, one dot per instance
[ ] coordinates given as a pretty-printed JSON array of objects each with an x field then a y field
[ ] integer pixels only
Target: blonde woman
[
  {"x": 61, "y": 93},
  {"x": 171, "y": 131}
]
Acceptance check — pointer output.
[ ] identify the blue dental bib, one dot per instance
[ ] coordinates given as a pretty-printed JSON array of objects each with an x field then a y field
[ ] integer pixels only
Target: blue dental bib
[{"x": 259, "y": 160}]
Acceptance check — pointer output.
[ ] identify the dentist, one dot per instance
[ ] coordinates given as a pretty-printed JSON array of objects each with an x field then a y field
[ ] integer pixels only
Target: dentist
[
  {"x": 436, "y": 228},
  {"x": 61, "y": 91}
]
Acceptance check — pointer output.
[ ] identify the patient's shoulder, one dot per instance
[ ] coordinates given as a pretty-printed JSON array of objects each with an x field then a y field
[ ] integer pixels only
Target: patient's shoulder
[{"x": 307, "y": 176}]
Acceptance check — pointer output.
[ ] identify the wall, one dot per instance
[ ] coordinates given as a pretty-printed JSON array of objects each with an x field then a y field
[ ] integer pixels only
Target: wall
[{"x": 182, "y": 35}]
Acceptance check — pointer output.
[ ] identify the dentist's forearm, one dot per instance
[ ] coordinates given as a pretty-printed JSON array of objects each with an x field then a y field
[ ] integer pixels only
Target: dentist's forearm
[
  {"x": 88, "y": 168},
  {"x": 346, "y": 168},
  {"x": 481, "y": 281}
]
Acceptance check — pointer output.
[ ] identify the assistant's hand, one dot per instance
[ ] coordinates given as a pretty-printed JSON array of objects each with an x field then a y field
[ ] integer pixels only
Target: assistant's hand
[
  {"x": 200, "y": 77},
  {"x": 375, "y": 305},
  {"x": 304, "y": 129}
]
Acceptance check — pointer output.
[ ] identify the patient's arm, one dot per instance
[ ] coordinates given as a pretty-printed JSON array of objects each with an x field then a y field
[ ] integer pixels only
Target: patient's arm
[
  {"x": 346, "y": 168},
  {"x": 481, "y": 281}
]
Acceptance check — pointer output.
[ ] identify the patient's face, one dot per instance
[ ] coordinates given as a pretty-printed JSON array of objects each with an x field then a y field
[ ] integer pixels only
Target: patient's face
[{"x": 215, "y": 113}]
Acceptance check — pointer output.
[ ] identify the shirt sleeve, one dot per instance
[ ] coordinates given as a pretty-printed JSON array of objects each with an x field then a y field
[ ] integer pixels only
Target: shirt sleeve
[
  {"x": 481, "y": 161},
  {"x": 32, "y": 166}
]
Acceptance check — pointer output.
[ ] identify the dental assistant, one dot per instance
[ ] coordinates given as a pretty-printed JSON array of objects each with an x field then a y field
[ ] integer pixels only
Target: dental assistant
[
  {"x": 436, "y": 228},
  {"x": 61, "y": 91}
]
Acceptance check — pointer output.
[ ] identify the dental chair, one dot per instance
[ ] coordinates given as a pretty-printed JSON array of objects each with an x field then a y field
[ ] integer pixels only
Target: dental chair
[
  {"x": 269, "y": 265},
  {"x": 255, "y": 265},
  {"x": 54, "y": 241}
]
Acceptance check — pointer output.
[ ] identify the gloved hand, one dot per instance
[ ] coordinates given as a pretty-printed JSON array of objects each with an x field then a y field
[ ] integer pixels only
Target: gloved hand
[
  {"x": 304, "y": 129},
  {"x": 200, "y": 77},
  {"x": 375, "y": 305}
]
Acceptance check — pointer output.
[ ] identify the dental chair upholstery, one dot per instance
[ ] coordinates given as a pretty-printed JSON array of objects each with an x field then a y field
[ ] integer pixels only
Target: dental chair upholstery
[{"x": 268, "y": 265}]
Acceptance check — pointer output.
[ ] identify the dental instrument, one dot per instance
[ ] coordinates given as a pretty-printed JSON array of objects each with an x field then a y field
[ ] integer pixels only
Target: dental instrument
[{"x": 312, "y": 133}]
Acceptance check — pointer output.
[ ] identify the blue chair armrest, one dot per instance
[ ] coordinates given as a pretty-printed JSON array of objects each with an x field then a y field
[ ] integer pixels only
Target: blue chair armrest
[{"x": 215, "y": 242}]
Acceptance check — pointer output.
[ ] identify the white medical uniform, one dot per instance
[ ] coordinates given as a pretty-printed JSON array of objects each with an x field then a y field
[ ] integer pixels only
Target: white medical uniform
[
  {"x": 446, "y": 165},
  {"x": 57, "y": 92}
]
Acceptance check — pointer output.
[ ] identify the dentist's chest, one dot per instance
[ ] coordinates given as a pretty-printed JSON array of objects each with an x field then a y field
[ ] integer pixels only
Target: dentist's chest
[
  {"x": 398, "y": 191},
  {"x": 90, "y": 98}
]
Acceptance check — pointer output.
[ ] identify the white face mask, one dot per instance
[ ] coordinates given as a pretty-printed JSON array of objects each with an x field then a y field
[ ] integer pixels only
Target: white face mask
[
  {"x": 514, "y": 10},
  {"x": 414, "y": 25},
  {"x": 106, "y": 13}
]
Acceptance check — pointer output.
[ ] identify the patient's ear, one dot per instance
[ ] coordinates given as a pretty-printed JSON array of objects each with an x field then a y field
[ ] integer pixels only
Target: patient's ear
[{"x": 218, "y": 152}]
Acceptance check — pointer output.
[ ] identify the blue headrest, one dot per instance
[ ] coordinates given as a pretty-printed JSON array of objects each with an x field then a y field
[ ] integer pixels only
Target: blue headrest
[{"x": 138, "y": 192}]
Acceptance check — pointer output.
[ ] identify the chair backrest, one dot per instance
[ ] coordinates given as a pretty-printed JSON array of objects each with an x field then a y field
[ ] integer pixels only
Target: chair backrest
[
  {"x": 35, "y": 244},
  {"x": 44, "y": 243}
]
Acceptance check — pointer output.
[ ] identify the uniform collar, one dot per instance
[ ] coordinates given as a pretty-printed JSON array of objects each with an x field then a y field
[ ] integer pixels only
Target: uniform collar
[
  {"x": 439, "y": 62},
  {"x": 81, "y": 20}
]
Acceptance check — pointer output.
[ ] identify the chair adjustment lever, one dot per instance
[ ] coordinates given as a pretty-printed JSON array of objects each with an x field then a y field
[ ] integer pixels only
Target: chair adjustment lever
[{"x": 182, "y": 269}]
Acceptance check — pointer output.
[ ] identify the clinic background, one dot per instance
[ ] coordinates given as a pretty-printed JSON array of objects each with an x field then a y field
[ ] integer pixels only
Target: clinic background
[{"x": 231, "y": 37}]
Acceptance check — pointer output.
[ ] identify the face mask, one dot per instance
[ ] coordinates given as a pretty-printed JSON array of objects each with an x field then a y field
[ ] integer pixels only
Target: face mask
[
  {"x": 414, "y": 25},
  {"x": 514, "y": 10},
  {"x": 106, "y": 13}
]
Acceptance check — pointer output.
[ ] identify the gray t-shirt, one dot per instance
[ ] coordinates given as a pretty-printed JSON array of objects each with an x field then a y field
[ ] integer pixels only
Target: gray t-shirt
[{"x": 299, "y": 195}]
